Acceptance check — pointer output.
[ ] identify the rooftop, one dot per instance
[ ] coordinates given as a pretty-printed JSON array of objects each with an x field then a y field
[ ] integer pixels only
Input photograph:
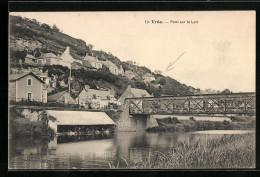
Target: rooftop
[
  {"x": 81, "y": 118},
  {"x": 108, "y": 63},
  {"x": 129, "y": 72},
  {"x": 48, "y": 55},
  {"x": 102, "y": 93},
  {"x": 91, "y": 58},
  {"x": 30, "y": 56},
  {"x": 140, "y": 92},
  {"x": 148, "y": 75},
  {"x": 14, "y": 77},
  {"x": 56, "y": 96}
]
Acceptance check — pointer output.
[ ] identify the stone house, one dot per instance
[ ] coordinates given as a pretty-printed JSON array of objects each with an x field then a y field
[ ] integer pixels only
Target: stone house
[
  {"x": 76, "y": 65},
  {"x": 113, "y": 68},
  {"x": 61, "y": 97},
  {"x": 97, "y": 99},
  {"x": 129, "y": 74},
  {"x": 27, "y": 86},
  {"x": 148, "y": 78},
  {"x": 94, "y": 62},
  {"x": 48, "y": 59},
  {"x": 133, "y": 93},
  {"x": 66, "y": 59},
  {"x": 30, "y": 59}
]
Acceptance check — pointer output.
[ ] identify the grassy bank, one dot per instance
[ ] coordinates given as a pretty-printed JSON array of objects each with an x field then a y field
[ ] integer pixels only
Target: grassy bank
[
  {"x": 230, "y": 151},
  {"x": 173, "y": 124},
  {"x": 21, "y": 126}
]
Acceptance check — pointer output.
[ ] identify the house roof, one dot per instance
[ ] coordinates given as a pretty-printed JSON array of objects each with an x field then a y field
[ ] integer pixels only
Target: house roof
[
  {"x": 30, "y": 56},
  {"x": 102, "y": 93},
  {"x": 81, "y": 118},
  {"x": 148, "y": 75},
  {"x": 139, "y": 92},
  {"x": 109, "y": 63},
  {"x": 14, "y": 77},
  {"x": 77, "y": 63},
  {"x": 87, "y": 64},
  {"x": 91, "y": 58},
  {"x": 56, "y": 96},
  {"x": 129, "y": 72},
  {"x": 40, "y": 74},
  {"x": 48, "y": 55}
]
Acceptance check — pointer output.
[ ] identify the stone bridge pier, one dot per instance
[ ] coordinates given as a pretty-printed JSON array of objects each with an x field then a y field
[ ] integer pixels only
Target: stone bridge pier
[{"x": 138, "y": 122}]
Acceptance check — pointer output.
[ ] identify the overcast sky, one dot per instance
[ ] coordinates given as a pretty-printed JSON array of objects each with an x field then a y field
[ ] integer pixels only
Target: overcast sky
[{"x": 219, "y": 49}]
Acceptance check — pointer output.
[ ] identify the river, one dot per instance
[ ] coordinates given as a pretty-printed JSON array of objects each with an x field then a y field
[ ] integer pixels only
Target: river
[{"x": 97, "y": 151}]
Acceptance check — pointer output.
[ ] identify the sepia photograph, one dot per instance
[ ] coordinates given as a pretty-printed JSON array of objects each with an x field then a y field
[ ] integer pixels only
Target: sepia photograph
[{"x": 132, "y": 90}]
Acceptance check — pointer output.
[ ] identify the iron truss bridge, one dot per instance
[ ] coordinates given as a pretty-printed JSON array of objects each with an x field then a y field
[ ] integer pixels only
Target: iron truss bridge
[{"x": 235, "y": 103}]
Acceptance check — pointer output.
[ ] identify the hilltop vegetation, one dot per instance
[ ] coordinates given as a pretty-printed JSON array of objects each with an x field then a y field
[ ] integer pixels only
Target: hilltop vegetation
[
  {"x": 36, "y": 38},
  {"x": 44, "y": 38}
]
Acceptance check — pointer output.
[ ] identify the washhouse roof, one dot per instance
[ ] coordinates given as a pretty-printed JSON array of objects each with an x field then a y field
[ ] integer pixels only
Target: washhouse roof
[{"x": 80, "y": 118}]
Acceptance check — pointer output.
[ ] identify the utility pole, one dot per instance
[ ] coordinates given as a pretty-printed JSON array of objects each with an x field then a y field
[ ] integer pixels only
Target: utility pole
[{"x": 69, "y": 79}]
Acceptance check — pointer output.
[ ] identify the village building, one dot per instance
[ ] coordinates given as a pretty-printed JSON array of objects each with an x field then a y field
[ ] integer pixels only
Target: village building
[
  {"x": 50, "y": 81},
  {"x": 93, "y": 61},
  {"x": 61, "y": 97},
  {"x": 30, "y": 59},
  {"x": 66, "y": 59},
  {"x": 79, "y": 121},
  {"x": 129, "y": 74},
  {"x": 157, "y": 85},
  {"x": 27, "y": 86},
  {"x": 48, "y": 59},
  {"x": 148, "y": 78},
  {"x": 43, "y": 76},
  {"x": 121, "y": 71},
  {"x": 96, "y": 99},
  {"x": 86, "y": 65},
  {"x": 133, "y": 93},
  {"x": 113, "y": 68},
  {"x": 76, "y": 65}
]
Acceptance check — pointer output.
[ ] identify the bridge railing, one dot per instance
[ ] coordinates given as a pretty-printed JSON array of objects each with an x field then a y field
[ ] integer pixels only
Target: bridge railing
[{"x": 236, "y": 103}]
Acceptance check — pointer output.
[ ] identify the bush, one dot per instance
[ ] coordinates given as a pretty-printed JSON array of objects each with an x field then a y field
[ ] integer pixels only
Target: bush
[{"x": 169, "y": 120}]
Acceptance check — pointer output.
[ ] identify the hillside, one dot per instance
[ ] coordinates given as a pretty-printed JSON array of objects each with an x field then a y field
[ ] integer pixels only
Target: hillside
[
  {"x": 30, "y": 36},
  {"x": 41, "y": 37}
]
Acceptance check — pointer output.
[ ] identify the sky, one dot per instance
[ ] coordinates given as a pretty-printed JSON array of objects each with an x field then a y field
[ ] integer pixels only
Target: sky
[{"x": 217, "y": 48}]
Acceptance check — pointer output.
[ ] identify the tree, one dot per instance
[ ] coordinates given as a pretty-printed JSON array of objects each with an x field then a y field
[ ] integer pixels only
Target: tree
[
  {"x": 90, "y": 46},
  {"x": 37, "y": 52},
  {"x": 162, "y": 81},
  {"x": 226, "y": 91},
  {"x": 17, "y": 55},
  {"x": 45, "y": 26},
  {"x": 55, "y": 28}
]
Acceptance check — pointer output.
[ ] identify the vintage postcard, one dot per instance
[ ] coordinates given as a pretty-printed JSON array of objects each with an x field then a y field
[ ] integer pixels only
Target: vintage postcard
[{"x": 132, "y": 90}]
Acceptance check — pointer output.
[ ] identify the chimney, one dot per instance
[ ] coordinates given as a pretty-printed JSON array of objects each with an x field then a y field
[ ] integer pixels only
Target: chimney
[
  {"x": 128, "y": 87},
  {"x": 68, "y": 48},
  {"x": 87, "y": 87}
]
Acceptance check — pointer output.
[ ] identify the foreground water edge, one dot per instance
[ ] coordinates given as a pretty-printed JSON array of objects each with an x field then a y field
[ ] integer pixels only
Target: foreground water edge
[{"x": 167, "y": 150}]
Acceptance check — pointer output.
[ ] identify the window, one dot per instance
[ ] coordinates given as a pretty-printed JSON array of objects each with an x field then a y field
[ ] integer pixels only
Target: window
[
  {"x": 29, "y": 96},
  {"x": 29, "y": 82}
]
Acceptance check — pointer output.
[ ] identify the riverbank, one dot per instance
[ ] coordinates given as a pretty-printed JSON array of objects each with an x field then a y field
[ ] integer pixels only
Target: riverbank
[
  {"x": 230, "y": 151},
  {"x": 20, "y": 126},
  {"x": 174, "y": 124}
]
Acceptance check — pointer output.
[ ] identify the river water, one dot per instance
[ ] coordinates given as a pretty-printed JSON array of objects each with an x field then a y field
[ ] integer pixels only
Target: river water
[{"x": 97, "y": 151}]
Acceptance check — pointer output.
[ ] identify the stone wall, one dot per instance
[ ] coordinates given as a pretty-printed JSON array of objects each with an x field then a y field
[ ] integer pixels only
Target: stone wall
[{"x": 128, "y": 122}]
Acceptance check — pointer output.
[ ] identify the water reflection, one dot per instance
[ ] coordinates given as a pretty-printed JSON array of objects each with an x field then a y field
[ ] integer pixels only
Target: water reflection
[{"x": 93, "y": 151}]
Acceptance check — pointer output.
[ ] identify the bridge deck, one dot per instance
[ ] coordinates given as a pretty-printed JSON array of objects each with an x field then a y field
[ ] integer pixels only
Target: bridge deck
[{"x": 235, "y": 103}]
